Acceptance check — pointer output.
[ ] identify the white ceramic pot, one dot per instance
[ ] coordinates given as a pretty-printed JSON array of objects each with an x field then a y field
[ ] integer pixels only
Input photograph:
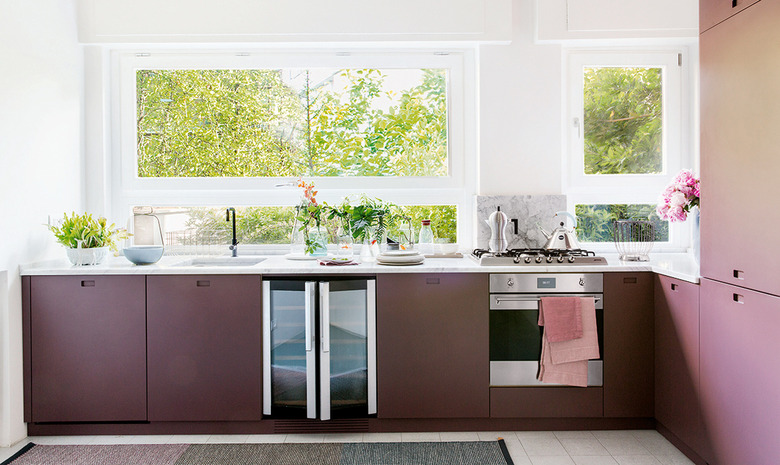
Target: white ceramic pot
[{"x": 87, "y": 256}]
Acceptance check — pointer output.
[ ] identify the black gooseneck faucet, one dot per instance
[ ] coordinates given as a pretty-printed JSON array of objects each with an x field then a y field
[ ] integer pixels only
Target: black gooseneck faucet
[{"x": 234, "y": 244}]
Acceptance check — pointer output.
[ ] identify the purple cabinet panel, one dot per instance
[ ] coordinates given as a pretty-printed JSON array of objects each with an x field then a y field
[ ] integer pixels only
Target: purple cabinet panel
[
  {"x": 712, "y": 12},
  {"x": 740, "y": 70},
  {"x": 86, "y": 344},
  {"x": 432, "y": 346},
  {"x": 740, "y": 373},
  {"x": 204, "y": 343},
  {"x": 628, "y": 345},
  {"x": 677, "y": 405}
]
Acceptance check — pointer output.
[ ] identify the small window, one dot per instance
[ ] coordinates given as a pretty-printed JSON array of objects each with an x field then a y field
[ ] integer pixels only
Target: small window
[
  {"x": 625, "y": 139},
  {"x": 594, "y": 222},
  {"x": 204, "y": 230}
]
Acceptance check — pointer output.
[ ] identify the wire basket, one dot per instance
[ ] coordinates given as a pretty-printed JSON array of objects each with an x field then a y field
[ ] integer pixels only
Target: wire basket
[{"x": 633, "y": 239}]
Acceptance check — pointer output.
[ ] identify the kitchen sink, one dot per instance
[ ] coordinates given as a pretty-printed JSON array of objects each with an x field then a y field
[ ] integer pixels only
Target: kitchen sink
[{"x": 220, "y": 261}]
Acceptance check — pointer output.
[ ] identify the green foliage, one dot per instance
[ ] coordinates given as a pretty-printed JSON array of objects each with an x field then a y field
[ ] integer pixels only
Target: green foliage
[
  {"x": 623, "y": 127},
  {"x": 216, "y": 123},
  {"x": 274, "y": 225},
  {"x": 443, "y": 219},
  {"x": 254, "y": 225},
  {"x": 237, "y": 123},
  {"x": 594, "y": 222},
  {"x": 86, "y": 232}
]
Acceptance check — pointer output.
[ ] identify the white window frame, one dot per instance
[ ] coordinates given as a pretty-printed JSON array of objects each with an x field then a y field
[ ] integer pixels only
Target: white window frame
[
  {"x": 457, "y": 188},
  {"x": 581, "y": 188}
]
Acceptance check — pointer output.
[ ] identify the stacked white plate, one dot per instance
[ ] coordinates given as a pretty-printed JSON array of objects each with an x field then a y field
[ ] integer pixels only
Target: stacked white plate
[{"x": 400, "y": 258}]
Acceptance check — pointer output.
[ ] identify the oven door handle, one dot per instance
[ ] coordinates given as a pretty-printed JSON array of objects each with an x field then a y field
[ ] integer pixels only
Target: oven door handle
[
  {"x": 496, "y": 301},
  {"x": 528, "y": 299}
]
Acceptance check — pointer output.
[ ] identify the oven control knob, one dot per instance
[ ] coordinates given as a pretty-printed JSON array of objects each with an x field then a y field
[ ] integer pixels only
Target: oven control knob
[
  {"x": 510, "y": 282},
  {"x": 560, "y": 259},
  {"x": 549, "y": 259},
  {"x": 571, "y": 259},
  {"x": 527, "y": 259},
  {"x": 538, "y": 259}
]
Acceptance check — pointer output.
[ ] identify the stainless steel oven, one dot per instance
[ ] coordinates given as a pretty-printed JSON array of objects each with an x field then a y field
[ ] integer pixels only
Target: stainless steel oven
[{"x": 515, "y": 336}]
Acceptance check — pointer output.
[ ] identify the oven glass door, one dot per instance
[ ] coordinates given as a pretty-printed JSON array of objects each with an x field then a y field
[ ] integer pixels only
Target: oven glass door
[{"x": 516, "y": 340}]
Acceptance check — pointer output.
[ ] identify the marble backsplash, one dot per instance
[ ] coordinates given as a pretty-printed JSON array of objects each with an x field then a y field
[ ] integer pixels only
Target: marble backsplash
[{"x": 527, "y": 209}]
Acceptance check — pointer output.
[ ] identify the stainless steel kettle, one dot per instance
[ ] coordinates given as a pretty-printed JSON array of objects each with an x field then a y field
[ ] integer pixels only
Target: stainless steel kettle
[
  {"x": 562, "y": 238},
  {"x": 497, "y": 222}
]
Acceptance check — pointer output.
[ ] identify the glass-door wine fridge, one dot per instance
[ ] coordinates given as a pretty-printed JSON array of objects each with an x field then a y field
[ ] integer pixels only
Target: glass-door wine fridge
[{"x": 319, "y": 348}]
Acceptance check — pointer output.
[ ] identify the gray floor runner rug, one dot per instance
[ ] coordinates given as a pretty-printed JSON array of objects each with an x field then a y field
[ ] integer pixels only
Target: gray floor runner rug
[{"x": 401, "y": 453}]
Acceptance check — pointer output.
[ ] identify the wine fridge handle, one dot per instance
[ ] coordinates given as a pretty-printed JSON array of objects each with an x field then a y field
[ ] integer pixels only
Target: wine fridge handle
[
  {"x": 311, "y": 354},
  {"x": 325, "y": 351}
]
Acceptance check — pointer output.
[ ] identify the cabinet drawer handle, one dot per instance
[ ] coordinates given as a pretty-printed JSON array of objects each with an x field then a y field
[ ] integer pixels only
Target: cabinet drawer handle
[
  {"x": 674, "y": 287},
  {"x": 733, "y": 3},
  {"x": 87, "y": 283},
  {"x": 203, "y": 283},
  {"x": 739, "y": 274},
  {"x": 738, "y": 298},
  {"x": 629, "y": 280},
  {"x": 431, "y": 280}
]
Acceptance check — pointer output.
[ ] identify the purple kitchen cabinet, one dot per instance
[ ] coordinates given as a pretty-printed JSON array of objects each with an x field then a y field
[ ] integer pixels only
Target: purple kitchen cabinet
[
  {"x": 85, "y": 348},
  {"x": 740, "y": 71},
  {"x": 204, "y": 343},
  {"x": 628, "y": 345},
  {"x": 677, "y": 406},
  {"x": 740, "y": 373},
  {"x": 432, "y": 346},
  {"x": 712, "y": 12}
]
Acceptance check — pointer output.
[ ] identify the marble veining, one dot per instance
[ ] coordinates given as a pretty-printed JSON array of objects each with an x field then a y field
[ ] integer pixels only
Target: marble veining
[
  {"x": 529, "y": 210},
  {"x": 678, "y": 265}
]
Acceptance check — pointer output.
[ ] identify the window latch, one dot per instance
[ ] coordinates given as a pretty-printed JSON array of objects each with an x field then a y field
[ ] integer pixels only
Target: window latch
[{"x": 577, "y": 125}]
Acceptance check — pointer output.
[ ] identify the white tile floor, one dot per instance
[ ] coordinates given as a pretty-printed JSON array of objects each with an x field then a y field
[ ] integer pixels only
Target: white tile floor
[{"x": 640, "y": 447}]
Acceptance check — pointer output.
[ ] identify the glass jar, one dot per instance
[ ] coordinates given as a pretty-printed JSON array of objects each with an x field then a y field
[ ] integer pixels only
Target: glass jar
[{"x": 425, "y": 239}]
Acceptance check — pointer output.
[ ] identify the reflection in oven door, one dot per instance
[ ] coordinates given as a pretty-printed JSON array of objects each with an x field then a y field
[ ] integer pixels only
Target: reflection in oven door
[{"x": 516, "y": 340}]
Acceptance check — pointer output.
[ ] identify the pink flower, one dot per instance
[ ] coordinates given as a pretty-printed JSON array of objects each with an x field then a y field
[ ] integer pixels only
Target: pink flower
[{"x": 679, "y": 197}]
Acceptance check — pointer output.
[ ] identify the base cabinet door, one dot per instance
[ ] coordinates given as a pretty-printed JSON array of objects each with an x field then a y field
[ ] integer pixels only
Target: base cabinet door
[
  {"x": 432, "y": 345},
  {"x": 740, "y": 375},
  {"x": 628, "y": 345},
  {"x": 204, "y": 340},
  {"x": 86, "y": 348},
  {"x": 677, "y": 405}
]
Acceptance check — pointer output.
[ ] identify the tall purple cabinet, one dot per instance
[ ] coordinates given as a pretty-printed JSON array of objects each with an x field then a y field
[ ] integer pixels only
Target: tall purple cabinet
[
  {"x": 740, "y": 307},
  {"x": 85, "y": 348}
]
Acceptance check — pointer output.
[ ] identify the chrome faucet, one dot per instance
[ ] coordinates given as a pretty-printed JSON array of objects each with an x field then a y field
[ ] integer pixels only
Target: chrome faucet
[{"x": 234, "y": 244}]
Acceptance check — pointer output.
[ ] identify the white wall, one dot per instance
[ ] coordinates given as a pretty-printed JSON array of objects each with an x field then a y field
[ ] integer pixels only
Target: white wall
[
  {"x": 520, "y": 112},
  {"x": 152, "y": 21},
  {"x": 40, "y": 163}
]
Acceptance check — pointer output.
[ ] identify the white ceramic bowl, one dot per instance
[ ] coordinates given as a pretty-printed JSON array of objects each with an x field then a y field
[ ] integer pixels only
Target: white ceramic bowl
[
  {"x": 144, "y": 254},
  {"x": 446, "y": 248}
]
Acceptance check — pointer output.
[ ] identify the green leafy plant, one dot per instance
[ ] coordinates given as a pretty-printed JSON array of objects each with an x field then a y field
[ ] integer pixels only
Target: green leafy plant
[{"x": 84, "y": 231}]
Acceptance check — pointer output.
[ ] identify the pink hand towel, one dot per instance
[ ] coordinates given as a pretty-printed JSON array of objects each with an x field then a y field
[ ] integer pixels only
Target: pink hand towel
[
  {"x": 567, "y": 362},
  {"x": 561, "y": 318}
]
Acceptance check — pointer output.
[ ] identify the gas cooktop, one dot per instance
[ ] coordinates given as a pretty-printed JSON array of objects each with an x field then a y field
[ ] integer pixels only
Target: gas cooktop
[{"x": 530, "y": 257}]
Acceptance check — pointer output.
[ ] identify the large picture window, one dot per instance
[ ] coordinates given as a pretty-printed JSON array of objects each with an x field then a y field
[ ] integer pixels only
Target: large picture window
[
  {"x": 216, "y": 129},
  {"x": 626, "y": 119}
]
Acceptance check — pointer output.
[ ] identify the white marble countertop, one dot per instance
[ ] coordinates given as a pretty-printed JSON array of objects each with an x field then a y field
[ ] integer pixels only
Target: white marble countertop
[{"x": 676, "y": 265}]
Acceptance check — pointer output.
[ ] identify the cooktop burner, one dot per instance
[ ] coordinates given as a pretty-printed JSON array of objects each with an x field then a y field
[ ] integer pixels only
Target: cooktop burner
[{"x": 538, "y": 257}]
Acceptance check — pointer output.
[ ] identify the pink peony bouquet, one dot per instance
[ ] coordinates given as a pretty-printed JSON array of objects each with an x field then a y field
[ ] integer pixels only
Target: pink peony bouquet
[{"x": 679, "y": 197}]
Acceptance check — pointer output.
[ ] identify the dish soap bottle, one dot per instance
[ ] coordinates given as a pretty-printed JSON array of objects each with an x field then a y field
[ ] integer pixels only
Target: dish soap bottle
[{"x": 425, "y": 239}]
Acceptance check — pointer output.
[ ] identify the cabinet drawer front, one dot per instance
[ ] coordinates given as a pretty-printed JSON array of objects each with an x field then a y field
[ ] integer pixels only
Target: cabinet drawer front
[{"x": 546, "y": 402}]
